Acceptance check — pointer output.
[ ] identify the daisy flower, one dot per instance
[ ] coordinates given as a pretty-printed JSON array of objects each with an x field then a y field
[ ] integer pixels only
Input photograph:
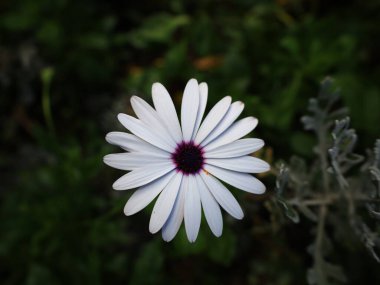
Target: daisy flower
[{"x": 183, "y": 163}]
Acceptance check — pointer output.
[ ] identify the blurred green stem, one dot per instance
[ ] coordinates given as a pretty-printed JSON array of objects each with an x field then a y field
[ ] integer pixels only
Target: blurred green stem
[{"x": 46, "y": 77}]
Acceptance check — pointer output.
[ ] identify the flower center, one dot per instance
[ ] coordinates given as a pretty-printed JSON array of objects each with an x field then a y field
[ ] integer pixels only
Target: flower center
[{"x": 188, "y": 157}]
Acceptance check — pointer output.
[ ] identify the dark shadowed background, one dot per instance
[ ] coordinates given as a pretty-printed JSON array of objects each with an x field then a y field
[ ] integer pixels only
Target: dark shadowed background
[{"x": 68, "y": 67}]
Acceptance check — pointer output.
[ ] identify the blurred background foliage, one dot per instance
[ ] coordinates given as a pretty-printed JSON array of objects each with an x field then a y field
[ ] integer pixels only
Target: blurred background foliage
[{"x": 68, "y": 67}]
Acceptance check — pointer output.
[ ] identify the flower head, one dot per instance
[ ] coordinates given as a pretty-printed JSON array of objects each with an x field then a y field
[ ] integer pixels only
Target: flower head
[{"x": 182, "y": 163}]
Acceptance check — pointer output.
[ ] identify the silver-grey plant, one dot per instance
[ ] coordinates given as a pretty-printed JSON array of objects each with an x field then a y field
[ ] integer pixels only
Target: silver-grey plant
[{"x": 339, "y": 187}]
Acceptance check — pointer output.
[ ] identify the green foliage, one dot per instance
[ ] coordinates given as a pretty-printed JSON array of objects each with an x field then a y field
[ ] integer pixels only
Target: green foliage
[
  {"x": 148, "y": 266},
  {"x": 156, "y": 30}
]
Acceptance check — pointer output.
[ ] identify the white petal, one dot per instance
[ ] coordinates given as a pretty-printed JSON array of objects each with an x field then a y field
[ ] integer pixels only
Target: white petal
[
  {"x": 203, "y": 94},
  {"x": 142, "y": 176},
  {"x": 130, "y": 142},
  {"x": 223, "y": 196},
  {"x": 149, "y": 116},
  {"x": 144, "y": 195},
  {"x": 235, "y": 132},
  {"x": 144, "y": 132},
  {"x": 236, "y": 148},
  {"x": 211, "y": 208},
  {"x": 243, "y": 181},
  {"x": 166, "y": 110},
  {"x": 213, "y": 118},
  {"x": 232, "y": 114},
  {"x": 164, "y": 204},
  {"x": 246, "y": 163},
  {"x": 189, "y": 108},
  {"x": 134, "y": 160},
  {"x": 193, "y": 211},
  {"x": 174, "y": 221}
]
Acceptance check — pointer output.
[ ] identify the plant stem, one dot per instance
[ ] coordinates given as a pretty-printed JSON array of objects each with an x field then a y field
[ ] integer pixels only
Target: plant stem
[
  {"x": 323, "y": 210},
  {"x": 46, "y": 76},
  {"x": 323, "y": 157},
  {"x": 330, "y": 200},
  {"x": 318, "y": 252}
]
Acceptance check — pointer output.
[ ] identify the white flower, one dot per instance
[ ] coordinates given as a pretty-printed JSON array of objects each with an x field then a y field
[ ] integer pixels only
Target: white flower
[{"x": 183, "y": 164}]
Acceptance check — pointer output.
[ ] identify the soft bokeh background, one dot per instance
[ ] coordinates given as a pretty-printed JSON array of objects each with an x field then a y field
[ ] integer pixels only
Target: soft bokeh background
[{"x": 68, "y": 67}]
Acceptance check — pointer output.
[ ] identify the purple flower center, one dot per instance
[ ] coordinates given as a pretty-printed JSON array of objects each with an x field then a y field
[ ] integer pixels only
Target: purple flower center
[{"x": 188, "y": 158}]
